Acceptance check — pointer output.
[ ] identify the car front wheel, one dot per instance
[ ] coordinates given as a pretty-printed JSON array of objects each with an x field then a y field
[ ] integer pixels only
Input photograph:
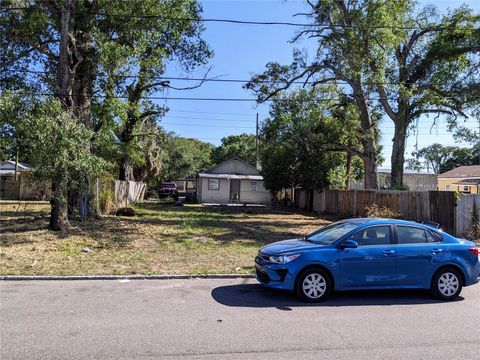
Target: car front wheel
[
  {"x": 313, "y": 285},
  {"x": 446, "y": 284}
]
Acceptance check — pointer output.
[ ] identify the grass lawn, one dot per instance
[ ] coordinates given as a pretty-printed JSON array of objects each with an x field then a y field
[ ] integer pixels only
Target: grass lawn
[{"x": 162, "y": 239}]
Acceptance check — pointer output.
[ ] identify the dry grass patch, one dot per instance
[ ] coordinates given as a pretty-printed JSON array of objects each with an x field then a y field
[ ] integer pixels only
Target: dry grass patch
[{"x": 162, "y": 239}]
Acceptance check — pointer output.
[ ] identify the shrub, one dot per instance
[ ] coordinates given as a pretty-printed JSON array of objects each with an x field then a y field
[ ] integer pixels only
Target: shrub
[
  {"x": 473, "y": 232},
  {"x": 375, "y": 211},
  {"x": 107, "y": 201},
  {"x": 126, "y": 211}
]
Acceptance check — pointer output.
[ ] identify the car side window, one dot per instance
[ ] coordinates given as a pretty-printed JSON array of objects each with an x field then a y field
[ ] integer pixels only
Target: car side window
[
  {"x": 431, "y": 238},
  {"x": 375, "y": 235},
  {"x": 412, "y": 235}
]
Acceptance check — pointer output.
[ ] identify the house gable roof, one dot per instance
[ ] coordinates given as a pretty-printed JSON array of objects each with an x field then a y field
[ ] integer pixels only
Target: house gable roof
[
  {"x": 462, "y": 172},
  {"x": 233, "y": 166},
  {"x": 9, "y": 165}
]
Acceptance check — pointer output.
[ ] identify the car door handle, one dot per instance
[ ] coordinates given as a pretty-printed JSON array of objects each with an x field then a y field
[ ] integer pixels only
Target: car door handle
[
  {"x": 436, "y": 251},
  {"x": 389, "y": 252}
]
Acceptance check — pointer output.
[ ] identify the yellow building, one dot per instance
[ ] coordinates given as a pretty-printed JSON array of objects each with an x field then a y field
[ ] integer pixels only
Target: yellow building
[{"x": 464, "y": 179}]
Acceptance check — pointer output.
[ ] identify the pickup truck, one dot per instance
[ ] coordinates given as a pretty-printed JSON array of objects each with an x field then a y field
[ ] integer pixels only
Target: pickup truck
[{"x": 168, "y": 189}]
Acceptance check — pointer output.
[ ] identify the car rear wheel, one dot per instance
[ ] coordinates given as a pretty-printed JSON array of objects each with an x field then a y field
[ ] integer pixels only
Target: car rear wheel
[
  {"x": 313, "y": 285},
  {"x": 446, "y": 284}
]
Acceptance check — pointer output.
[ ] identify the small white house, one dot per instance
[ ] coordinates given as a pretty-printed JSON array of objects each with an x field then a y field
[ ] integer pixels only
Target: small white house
[
  {"x": 7, "y": 168},
  {"x": 232, "y": 181}
]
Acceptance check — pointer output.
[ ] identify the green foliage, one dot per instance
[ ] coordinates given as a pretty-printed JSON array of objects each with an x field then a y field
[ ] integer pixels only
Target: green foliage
[
  {"x": 185, "y": 157},
  {"x": 242, "y": 146},
  {"x": 414, "y": 164},
  {"x": 107, "y": 201},
  {"x": 56, "y": 146},
  {"x": 381, "y": 51},
  {"x": 304, "y": 142},
  {"x": 114, "y": 45},
  {"x": 444, "y": 158}
]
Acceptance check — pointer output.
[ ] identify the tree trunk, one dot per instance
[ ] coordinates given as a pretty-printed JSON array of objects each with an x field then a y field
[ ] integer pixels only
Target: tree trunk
[
  {"x": 369, "y": 144},
  {"x": 63, "y": 91},
  {"x": 64, "y": 73},
  {"x": 398, "y": 155},
  {"x": 370, "y": 168},
  {"x": 348, "y": 170},
  {"x": 59, "y": 215},
  {"x": 125, "y": 171},
  {"x": 59, "y": 211}
]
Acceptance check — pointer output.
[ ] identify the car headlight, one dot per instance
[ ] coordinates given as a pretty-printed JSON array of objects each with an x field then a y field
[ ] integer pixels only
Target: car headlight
[{"x": 283, "y": 259}]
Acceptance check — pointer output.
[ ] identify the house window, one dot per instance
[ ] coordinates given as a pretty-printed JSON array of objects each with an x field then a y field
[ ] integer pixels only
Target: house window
[
  {"x": 253, "y": 185},
  {"x": 466, "y": 189},
  {"x": 213, "y": 184}
]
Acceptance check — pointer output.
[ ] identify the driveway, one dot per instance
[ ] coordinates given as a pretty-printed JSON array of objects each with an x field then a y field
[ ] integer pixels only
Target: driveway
[{"x": 228, "y": 319}]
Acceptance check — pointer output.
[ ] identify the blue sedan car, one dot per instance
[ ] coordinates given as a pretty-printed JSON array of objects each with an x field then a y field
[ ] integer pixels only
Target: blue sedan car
[{"x": 359, "y": 254}]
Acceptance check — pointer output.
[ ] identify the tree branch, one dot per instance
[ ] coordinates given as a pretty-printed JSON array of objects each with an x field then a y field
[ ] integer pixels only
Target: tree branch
[
  {"x": 310, "y": 69},
  {"x": 383, "y": 94},
  {"x": 430, "y": 111},
  {"x": 37, "y": 45}
]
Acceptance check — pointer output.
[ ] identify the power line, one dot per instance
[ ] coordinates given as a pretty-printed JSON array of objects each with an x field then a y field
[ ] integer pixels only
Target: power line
[
  {"x": 380, "y": 128},
  {"x": 207, "y": 119},
  {"x": 214, "y": 79},
  {"x": 210, "y": 126},
  {"x": 217, "y": 99},
  {"x": 214, "y": 113},
  {"x": 248, "y": 22},
  {"x": 252, "y": 127}
]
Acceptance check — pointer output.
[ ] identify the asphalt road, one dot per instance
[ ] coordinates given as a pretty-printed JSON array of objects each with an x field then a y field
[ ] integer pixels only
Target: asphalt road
[{"x": 228, "y": 319}]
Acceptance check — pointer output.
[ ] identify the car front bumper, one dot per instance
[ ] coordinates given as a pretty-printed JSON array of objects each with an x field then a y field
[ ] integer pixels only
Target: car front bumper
[{"x": 272, "y": 275}]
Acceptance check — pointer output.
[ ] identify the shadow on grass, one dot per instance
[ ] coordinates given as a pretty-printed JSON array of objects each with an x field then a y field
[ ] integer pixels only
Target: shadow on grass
[
  {"x": 258, "y": 296},
  {"x": 222, "y": 225}
]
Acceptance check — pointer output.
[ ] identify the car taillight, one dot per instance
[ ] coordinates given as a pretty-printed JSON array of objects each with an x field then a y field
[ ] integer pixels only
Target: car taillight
[{"x": 473, "y": 250}]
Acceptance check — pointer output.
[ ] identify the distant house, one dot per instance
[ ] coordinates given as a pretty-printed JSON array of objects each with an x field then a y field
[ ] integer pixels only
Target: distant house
[
  {"x": 465, "y": 179},
  {"x": 232, "y": 181},
  {"x": 7, "y": 168},
  {"x": 413, "y": 180}
]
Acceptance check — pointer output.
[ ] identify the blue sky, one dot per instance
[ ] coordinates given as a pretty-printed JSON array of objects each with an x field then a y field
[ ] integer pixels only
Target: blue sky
[{"x": 242, "y": 50}]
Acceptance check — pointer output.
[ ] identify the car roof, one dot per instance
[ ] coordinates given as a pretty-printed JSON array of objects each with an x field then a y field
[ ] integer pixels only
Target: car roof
[{"x": 385, "y": 221}]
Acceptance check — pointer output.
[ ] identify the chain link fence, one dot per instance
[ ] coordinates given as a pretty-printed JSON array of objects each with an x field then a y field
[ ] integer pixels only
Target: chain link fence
[{"x": 23, "y": 189}]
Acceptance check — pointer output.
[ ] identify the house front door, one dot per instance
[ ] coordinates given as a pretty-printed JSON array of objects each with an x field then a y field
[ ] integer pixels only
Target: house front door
[{"x": 234, "y": 190}]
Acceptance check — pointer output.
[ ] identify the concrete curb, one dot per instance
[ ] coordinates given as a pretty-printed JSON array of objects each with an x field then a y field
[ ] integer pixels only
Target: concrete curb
[{"x": 125, "y": 277}]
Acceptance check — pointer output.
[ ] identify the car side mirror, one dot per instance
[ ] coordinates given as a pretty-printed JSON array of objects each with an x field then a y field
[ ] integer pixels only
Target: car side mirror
[{"x": 349, "y": 244}]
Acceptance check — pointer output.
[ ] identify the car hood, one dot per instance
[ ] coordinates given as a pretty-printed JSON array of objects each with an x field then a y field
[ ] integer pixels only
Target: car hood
[{"x": 287, "y": 246}]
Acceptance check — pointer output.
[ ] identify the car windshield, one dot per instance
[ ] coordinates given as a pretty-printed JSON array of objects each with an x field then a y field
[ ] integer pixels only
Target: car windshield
[{"x": 328, "y": 234}]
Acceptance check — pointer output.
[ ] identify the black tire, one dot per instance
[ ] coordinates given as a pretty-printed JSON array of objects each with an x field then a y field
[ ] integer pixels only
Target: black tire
[
  {"x": 320, "y": 285},
  {"x": 446, "y": 284}
]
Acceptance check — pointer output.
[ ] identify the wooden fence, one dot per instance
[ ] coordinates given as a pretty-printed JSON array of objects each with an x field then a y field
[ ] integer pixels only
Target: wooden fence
[
  {"x": 443, "y": 207},
  {"x": 127, "y": 192},
  {"x": 464, "y": 212}
]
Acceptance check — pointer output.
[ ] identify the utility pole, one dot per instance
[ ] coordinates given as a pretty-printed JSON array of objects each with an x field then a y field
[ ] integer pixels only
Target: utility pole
[{"x": 256, "y": 146}]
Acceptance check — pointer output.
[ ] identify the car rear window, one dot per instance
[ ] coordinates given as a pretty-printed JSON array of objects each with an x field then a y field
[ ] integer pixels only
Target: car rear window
[{"x": 412, "y": 235}]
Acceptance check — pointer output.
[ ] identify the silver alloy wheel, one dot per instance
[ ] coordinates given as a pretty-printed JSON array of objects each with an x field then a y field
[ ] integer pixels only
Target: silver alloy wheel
[
  {"x": 314, "y": 285},
  {"x": 448, "y": 284}
]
